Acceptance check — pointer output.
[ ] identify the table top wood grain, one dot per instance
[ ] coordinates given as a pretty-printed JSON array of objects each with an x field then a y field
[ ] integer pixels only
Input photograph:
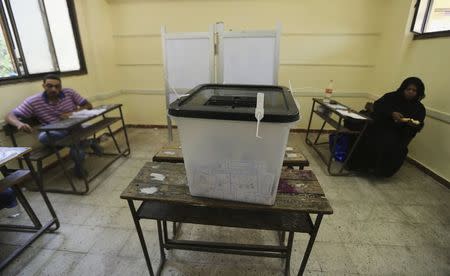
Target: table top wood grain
[{"x": 309, "y": 198}]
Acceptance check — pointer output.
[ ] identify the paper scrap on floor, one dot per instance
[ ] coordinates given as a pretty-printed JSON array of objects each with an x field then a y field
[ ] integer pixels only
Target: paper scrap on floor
[
  {"x": 169, "y": 152},
  {"x": 87, "y": 113},
  {"x": 350, "y": 114},
  {"x": 291, "y": 155},
  {"x": 289, "y": 149}
]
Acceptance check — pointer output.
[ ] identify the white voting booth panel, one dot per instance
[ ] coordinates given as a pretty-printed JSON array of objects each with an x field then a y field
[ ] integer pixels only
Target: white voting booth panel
[
  {"x": 188, "y": 62},
  {"x": 249, "y": 57}
]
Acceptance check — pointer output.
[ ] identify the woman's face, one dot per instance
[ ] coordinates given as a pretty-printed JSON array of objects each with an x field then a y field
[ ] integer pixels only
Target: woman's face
[{"x": 410, "y": 92}]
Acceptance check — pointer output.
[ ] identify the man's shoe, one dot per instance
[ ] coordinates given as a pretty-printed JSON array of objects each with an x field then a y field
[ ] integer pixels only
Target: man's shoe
[
  {"x": 80, "y": 172},
  {"x": 96, "y": 148}
]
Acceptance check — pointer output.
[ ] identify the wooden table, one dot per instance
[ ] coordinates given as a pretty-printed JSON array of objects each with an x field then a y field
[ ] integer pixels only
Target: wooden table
[
  {"x": 171, "y": 201},
  {"x": 13, "y": 178},
  {"x": 325, "y": 112},
  {"x": 77, "y": 132},
  {"x": 172, "y": 153}
]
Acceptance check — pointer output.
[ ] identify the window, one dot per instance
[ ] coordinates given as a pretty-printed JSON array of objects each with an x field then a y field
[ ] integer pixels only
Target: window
[
  {"x": 431, "y": 18},
  {"x": 38, "y": 37}
]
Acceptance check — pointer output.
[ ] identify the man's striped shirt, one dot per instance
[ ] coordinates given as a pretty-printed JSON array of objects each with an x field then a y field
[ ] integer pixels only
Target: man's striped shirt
[{"x": 39, "y": 106}]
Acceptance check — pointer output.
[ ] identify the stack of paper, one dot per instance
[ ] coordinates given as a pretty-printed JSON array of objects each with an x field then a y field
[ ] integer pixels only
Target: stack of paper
[
  {"x": 350, "y": 114},
  {"x": 336, "y": 106},
  {"x": 87, "y": 113}
]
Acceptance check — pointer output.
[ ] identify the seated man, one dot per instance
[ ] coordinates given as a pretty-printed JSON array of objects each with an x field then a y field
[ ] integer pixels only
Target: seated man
[{"x": 50, "y": 106}]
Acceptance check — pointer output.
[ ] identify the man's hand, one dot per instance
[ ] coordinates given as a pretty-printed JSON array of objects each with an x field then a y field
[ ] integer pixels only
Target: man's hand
[
  {"x": 397, "y": 116},
  {"x": 25, "y": 127},
  {"x": 65, "y": 115}
]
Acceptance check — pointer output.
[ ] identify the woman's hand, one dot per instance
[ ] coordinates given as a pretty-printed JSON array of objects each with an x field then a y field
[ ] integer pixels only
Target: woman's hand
[
  {"x": 413, "y": 123},
  {"x": 397, "y": 116}
]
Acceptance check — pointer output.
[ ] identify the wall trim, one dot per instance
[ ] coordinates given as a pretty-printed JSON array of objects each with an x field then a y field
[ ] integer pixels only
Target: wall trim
[
  {"x": 329, "y": 34},
  {"x": 104, "y": 96},
  {"x": 429, "y": 172},
  {"x": 282, "y": 63},
  {"x": 283, "y": 34},
  {"x": 143, "y": 92},
  {"x": 136, "y": 35},
  {"x": 153, "y": 63},
  {"x": 312, "y": 64}
]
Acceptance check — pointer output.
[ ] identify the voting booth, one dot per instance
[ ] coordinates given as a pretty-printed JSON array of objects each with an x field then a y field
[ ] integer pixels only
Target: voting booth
[{"x": 218, "y": 56}]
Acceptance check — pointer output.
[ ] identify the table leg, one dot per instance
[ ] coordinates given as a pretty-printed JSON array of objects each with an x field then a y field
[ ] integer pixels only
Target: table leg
[
  {"x": 361, "y": 133},
  {"x": 281, "y": 237},
  {"x": 174, "y": 229},
  {"x": 128, "y": 150},
  {"x": 287, "y": 268},
  {"x": 310, "y": 244},
  {"x": 60, "y": 161},
  {"x": 38, "y": 180},
  {"x": 166, "y": 236},
  {"x": 141, "y": 236},
  {"x": 319, "y": 133},
  {"x": 309, "y": 125},
  {"x": 161, "y": 248},
  {"x": 26, "y": 205}
]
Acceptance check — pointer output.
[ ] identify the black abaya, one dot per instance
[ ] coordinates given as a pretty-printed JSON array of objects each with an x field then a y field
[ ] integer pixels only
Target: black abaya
[{"x": 384, "y": 146}]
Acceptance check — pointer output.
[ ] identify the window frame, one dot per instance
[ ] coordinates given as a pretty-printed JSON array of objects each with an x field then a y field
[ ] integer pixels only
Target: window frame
[
  {"x": 26, "y": 77},
  {"x": 425, "y": 35}
]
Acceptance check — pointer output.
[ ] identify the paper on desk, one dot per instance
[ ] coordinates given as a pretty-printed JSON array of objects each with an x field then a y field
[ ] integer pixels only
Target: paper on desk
[
  {"x": 149, "y": 191},
  {"x": 157, "y": 176},
  {"x": 350, "y": 114},
  {"x": 169, "y": 152},
  {"x": 336, "y": 106},
  {"x": 87, "y": 113}
]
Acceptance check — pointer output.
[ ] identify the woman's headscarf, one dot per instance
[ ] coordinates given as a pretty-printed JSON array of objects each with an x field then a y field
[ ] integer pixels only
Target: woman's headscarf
[{"x": 417, "y": 83}]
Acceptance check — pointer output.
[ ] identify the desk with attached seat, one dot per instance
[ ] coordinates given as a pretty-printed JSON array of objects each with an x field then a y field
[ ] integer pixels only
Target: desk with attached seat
[
  {"x": 13, "y": 178},
  {"x": 77, "y": 132}
]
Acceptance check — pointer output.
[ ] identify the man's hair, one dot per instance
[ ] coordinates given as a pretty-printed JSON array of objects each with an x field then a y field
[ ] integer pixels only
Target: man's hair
[{"x": 51, "y": 77}]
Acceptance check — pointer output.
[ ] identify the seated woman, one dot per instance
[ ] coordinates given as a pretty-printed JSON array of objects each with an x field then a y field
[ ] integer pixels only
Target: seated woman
[{"x": 398, "y": 116}]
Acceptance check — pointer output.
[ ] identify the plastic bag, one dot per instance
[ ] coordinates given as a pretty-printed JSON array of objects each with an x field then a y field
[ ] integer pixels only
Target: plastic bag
[{"x": 342, "y": 146}]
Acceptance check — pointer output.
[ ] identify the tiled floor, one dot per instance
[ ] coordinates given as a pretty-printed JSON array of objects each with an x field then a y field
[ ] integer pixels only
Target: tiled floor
[{"x": 390, "y": 226}]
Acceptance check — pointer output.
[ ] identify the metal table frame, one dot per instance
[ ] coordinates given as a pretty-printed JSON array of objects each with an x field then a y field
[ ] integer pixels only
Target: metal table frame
[
  {"x": 15, "y": 177},
  {"x": 339, "y": 128},
  {"x": 282, "y": 251},
  {"x": 75, "y": 136}
]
